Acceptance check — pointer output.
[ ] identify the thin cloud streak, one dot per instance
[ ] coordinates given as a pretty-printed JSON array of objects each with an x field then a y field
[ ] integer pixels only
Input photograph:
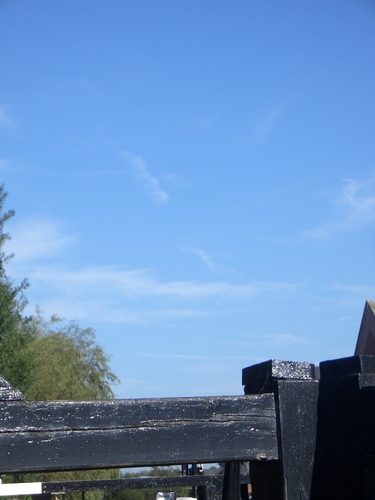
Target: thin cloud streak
[
  {"x": 362, "y": 289},
  {"x": 109, "y": 310},
  {"x": 140, "y": 283},
  {"x": 8, "y": 166},
  {"x": 337, "y": 296},
  {"x": 193, "y": 357},
  {"x": 6, "y": 120},
  {"x": 284, "y": 339},
  {"x": 111, "y": 295},
  {"x": 140, "y": 170},
  {"x": 5, "y": 164},
  {"x": 267, "y": 124},
  {"x": 354, "y": 208},
  {"x": 37, "y": 237},
  {"x": 114, "y": 294},
  {"x": 272, "y": 339},
  {"x": 215, "y": 267}
]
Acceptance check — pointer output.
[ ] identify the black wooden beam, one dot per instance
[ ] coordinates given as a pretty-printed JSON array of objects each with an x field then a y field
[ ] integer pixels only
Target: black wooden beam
[
  {"x": 345, "y": 446},
  {"x": 51, "y": 436},
  {"x": 296, "y": 393},
  {"x": 232, "y": 481},
  {"x": 165, "y": 482}
]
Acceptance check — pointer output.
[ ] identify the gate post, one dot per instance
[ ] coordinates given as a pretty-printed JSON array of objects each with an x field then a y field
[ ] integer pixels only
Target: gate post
[
  {"x": 232, "y": 481},
  {"x": 345, "y": 457},
  {"x": 296, "y": 392}
]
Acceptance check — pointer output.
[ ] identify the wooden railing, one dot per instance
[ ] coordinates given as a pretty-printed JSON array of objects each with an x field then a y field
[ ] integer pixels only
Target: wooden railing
[{"x": 303, "y": 438}]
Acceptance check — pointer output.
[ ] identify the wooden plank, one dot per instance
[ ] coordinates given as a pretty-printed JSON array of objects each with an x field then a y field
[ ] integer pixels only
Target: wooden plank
[
  {"x": 167, "y": 482},
  {"x": 297, "y": 422},
  {"x": 345, "y": 439},
  {"x": 347, "y": 366},
  {"x": 297, "y": 401},
  {"x": 48, "y": 436},
  {"x": 232, "y": 481},
  {"x": 116, "y": 414}
]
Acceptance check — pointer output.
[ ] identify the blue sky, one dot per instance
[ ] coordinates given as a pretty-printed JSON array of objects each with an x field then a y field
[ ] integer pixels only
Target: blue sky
[{"x": 193, "y": 179}]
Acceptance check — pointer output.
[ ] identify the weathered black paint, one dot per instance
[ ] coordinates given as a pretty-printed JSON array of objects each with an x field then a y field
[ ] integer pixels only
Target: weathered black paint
[
  {"x": 104, "y": 434},
  {"x": 267, "y": 480},
  {"x": 8, "y": 392},
  {"x": 296, "y": 393},
  {"x": 165, "y": 482},
  {"x": 232, "y": 481},
  {"x": 345, "y": 448},
  {"x": 292, "y": 457},
  {"x": 276, "y": 369},
  {"x": 347, "y": 366},
  {"x": 208, "y": 487}
]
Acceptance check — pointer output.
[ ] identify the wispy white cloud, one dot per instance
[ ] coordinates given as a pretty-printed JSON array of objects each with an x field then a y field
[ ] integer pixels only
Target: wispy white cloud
[
  {"x": 363, "y": 290},
  {"x": 7, "y": 121},
  {"x": 353, "y": 208},
  {"x": 339, "y": 296},
  {"x": 114, "y": 294},
  {"x": 5, "y": 164},
  {"x": 10, "y": 166},
  {"x": 140, "y": 283},
  {"x": 272, "y": 339},
  {"x": 265, "y": 126},
  {"x": 106, "y": 308},
  {"x": 141, "y": 172},
  {"x": 205, "y": 257},
  {"x": 193, "y": 357},
  {"x": 347, "y": 317},
  {"x": 283, "y": 339},
  {"x": 199, "y": 124},
  {"x": 36, "y": 237}
]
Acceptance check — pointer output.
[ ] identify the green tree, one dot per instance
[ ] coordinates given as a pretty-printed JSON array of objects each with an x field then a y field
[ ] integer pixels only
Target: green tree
[
  {"x": 67, "y": 363},
  {"x": 15, "y": 332},
  {"x": 48, "y": 359}
]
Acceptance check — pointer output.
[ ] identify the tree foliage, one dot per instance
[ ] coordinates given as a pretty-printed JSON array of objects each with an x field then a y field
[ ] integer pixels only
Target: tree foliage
[
  {"x": 48, "y": 360},
  {"x": 55, "y": 360},
  {"x": 67, "y": 363},
  {"x": 15, "y": 333}
]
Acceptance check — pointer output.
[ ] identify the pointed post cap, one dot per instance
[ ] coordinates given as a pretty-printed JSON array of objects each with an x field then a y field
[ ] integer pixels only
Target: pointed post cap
[
  {"x": 8, "y": 392},
  {"x": 276, "y": 369},
  {"x": 366, "y": 336}
]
